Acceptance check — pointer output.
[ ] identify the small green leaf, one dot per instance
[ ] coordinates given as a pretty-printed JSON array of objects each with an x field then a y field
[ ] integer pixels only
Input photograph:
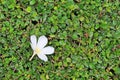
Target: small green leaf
[
  {"x": 28, "y": 9},
  {"x": 32, "y": 2},
  {"x": 74, "y": 36},
  {"x": 82, "y": 18}
]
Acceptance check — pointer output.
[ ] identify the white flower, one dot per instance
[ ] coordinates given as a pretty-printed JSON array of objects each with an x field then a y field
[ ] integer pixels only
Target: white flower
[{"x": 39, "y": 47}]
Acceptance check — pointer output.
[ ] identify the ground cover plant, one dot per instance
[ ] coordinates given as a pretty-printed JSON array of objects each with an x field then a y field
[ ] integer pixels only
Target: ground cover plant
[{"x": 84, "y": 33}]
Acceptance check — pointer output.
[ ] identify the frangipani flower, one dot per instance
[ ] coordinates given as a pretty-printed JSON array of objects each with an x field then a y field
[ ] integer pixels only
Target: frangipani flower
[{"x": 39, "y": 47}]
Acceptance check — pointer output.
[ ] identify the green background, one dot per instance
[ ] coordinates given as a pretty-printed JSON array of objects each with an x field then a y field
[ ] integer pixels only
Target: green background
[{"x": 84, "y": 33}]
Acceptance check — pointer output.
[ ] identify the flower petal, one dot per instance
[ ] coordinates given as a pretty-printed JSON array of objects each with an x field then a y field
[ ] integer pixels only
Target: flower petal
[
  {"x": 42, "y": 41},
  {"x": 33, "y": 41},
  {"x": 47, "y": 50},
  {"x": 43, "y": 57}
]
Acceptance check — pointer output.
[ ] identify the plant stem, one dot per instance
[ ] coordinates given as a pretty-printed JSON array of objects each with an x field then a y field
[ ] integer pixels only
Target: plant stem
[{"x": 32, "y": 57}]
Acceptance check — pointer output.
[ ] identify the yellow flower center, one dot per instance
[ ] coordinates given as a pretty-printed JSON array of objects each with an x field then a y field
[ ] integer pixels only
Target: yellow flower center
[{"x": 37, "y": 50}]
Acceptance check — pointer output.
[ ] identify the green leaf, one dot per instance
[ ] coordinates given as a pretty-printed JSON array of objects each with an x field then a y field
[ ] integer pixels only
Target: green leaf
[
  {"x": 28, "y": 9},
  {"x": 32, "y": 2},
  {"x": 82, "y": 18}
]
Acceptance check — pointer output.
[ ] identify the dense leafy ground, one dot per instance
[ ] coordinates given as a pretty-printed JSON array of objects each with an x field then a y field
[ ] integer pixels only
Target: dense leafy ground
[{"x": 84, "y": 33}]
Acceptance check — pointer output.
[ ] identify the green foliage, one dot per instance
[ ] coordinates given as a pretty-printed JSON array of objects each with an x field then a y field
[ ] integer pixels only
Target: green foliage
[{"x": 84, "y": 33}]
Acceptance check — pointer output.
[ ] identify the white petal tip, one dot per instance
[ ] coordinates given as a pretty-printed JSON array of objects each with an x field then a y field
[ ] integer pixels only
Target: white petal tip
[{"x": 32, "y": 36}]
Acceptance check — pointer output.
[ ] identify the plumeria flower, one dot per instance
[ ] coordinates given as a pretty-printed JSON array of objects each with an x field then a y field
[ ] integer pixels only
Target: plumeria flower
[{"x": 39, "y": 47}]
